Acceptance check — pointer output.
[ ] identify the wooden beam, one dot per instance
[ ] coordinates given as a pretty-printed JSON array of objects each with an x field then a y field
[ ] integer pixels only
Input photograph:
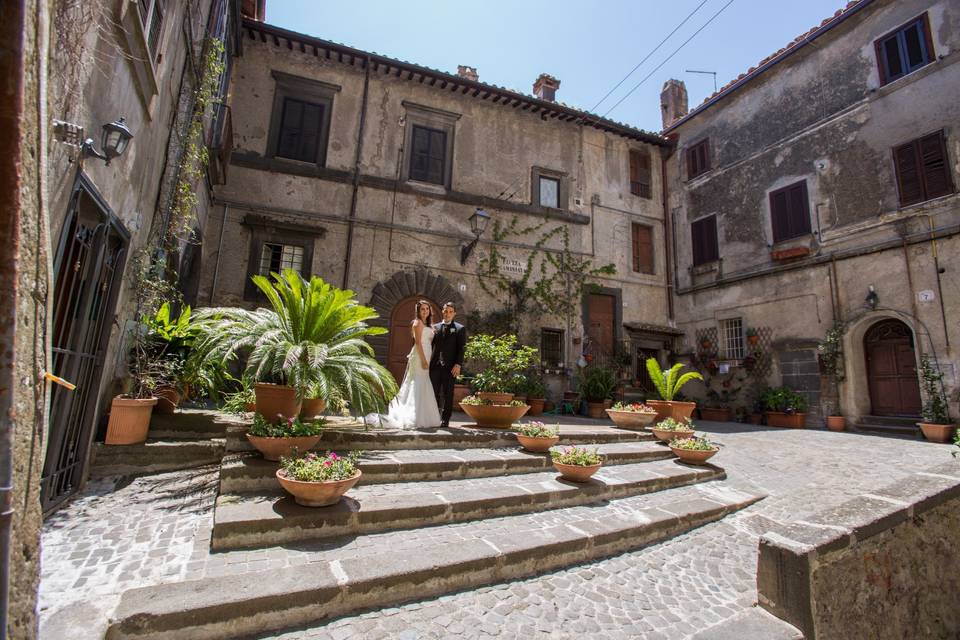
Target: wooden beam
[
  {"x": 443, "y": 84},
  {"x": 433, "y": 81}
]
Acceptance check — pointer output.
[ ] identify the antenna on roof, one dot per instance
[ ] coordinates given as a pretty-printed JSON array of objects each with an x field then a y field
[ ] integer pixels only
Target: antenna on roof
[{"x": 709, "y": 73}]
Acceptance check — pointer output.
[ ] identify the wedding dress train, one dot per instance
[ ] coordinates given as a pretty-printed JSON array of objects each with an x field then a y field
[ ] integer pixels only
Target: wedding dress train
[{"x": 415, "y": 405}]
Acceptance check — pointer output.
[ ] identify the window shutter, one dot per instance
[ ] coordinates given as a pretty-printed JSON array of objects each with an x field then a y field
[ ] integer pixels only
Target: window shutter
[
  {"x": 909, "y": 181},
  {"x": 789, "y": 212},
  {"x": 642, "y": 248},
  {"x": 634, "y": 177},
  {"x": 310, "y": 133},
  {"x": 936, "y": 171},
  {"x": 290, "y": 128},
  {"x": 704, "y": 240},
  {"x": 705, "y": 156},
  {"x": 779, "y": 215}
]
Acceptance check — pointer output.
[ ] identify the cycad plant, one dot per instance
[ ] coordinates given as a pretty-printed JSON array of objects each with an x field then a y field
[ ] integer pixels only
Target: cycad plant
[
  {"x": 312, "y": 338},
  {"x": 668, "y": 383}
]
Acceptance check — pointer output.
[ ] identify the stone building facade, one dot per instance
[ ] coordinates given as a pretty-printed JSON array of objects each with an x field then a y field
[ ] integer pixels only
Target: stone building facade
[
  {"x": 821, "y": 188},
  {"x": 365, "y": 170}
]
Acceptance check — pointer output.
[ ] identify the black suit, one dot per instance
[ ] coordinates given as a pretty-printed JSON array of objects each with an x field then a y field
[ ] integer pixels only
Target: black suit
[{"x": 449, "y": 342}]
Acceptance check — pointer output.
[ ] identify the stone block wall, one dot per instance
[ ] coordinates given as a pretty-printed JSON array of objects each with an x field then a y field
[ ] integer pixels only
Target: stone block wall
[
  {"x": 800, "y": 372},
  {"x": 881, "y": 566}
]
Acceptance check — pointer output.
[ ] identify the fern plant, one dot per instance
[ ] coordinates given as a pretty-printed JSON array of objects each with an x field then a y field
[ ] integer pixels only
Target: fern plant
[
  {"x": 312, "y": 338},
  {"x": 670, "y": 382}
]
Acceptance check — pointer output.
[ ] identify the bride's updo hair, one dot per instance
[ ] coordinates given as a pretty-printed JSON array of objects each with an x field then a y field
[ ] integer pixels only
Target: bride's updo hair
[{"x": 416, "y": 313}]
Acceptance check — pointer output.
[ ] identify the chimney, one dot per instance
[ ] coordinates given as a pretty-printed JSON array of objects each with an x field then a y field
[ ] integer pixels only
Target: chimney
[
  {"x": 470, "y": 73},
  {"x": 546, "y": 87},
  {"x": 673, "y": 101}
]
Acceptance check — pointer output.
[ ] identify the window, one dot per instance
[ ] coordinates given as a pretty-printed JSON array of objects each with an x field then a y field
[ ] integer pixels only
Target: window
[
  {"x": 640, "y": 173},
  {"x": 549, "y": 192},
  {"x": 276, "y": 257},
  {"x": 790, "y": 212},
  {"x": 151, "y": 17},
  {"x": 905, "y": 50},
  {"x": 698, "y": 159},
  {"x": 428, "y": 155},
  {"x": 923, "y": 171},
  {"x": 551, "y": 348},
  {"x": 642, "y": 248},
  {"x": 704, "y": 236},
  {"x": 300, "y": 121},
  {"x": 731, "y": 336}
]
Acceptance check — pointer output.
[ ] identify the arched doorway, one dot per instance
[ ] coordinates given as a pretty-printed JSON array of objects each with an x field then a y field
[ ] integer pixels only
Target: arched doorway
[
  {"x": 892, "y": 369},
  {"x": 401, "y": 338}
]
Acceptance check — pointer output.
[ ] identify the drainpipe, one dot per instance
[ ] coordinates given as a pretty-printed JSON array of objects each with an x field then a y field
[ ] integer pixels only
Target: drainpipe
[
  {"x": 668, "y": 234},
  {"x": 356, "y": 174},
  {"x": 936, "y": 269}
]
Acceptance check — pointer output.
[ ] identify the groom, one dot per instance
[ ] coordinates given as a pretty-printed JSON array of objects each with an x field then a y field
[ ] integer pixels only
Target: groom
[{"x": 449, "y": 341}]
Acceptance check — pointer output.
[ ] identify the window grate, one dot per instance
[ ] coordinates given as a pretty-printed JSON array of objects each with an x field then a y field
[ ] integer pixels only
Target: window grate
[
  {"x": 731, "y": 332},
  {"x": 551, "y": 347},
  {"x": 276, "y": 257}
]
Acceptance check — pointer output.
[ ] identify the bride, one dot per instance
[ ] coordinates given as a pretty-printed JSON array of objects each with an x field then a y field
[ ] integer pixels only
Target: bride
[{"x": 415, "y": 404}]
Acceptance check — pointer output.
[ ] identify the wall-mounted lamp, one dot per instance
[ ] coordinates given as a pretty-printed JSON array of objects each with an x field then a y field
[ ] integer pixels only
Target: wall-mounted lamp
[
  {"x": 478, "y": 224},
  {"x": 872, "y": 298},
  {"x": 116, "y": 136}
]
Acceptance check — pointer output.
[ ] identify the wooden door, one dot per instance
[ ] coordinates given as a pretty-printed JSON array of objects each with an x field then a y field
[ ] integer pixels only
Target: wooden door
[
  {"x": 892, "y": 370},
  {"x": 401, "y": 338},
  {"x": 601, "y": 319}
]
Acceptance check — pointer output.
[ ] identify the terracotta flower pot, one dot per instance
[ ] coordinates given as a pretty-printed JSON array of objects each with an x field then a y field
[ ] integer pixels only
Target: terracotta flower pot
[
  {"x": 631, "y": 419},
  {"x": 536, "y": 406},
  {"x": 595, "y": 409},
  {"x": 275, "y": 399},
  {"x": 753, "y": 339},
  {"x": 672, "y": 409},
  {"x": 575, "y": 472},
  {"x": 317, "y": 494},
  {"x": 756, "y": 418},
  {"x": 312, "y": 407},
  {"x": 537, "y": 445},
  {"x": 716, "y": 415},
  {"x": 129, "y": 420},
  {"x": 275, "y": 448},
  {"x": 836, "y": 423},
  {"x": 607, "y": 403},
  {"x": 667, "y": 436},
  {"x": 492, "y": 415},
  {"x": 250, "y": 407},
  {"x": 460, "y": 391},
  {"x": 791, "y": 420},
  {"x": 693, "y": 457},
  {"x": 168, "y": 398},
  {"x": 932, "y": 432},
  {"x": 496, "y": 398}
]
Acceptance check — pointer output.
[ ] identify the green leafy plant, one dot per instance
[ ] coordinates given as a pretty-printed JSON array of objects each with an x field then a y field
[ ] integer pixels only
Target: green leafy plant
[
  {"x": 597, "y": 383},
  {"x": 292, "y": 427},
  {"x": 329, "y": 467},
  {"x": 500, "y": 362},
  {"x": 671, "y": 424},
  {"x": 237, "y": 401},
  {"x": 578, "y": 456},
  {"x": 784, "y": 400},
  {"x": 311, "y": 338},
  {"x": 536, "y": 389},
  {"x": 669, "y": 383},
  {"x": 537, "y": 430},
  {"x": 935, "y": 409},
  {"x": 830, "y": 352},
  {"x": 699, "y": 443}
]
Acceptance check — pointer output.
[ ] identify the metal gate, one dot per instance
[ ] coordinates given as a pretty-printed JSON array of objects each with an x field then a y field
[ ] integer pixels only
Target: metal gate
[{"x": 89, "y": 266}]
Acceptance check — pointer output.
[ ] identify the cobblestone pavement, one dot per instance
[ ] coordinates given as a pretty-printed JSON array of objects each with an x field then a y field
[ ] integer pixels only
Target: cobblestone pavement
[{"x": 157, "y": 529}]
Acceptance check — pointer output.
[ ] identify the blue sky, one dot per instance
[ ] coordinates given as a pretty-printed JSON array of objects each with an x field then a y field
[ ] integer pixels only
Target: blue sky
[{"x": 590, "y": 47}]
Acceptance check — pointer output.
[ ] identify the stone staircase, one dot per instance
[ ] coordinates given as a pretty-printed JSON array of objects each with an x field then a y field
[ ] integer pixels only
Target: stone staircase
[
  {"x": 437, "y": 511},
  {"x": 890, "y": 426}
]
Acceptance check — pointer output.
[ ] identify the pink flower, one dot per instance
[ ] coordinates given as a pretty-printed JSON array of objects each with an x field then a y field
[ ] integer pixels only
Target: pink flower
[
  {"x": 327, "y": 463},
  {"x": 334, "y": 456},
  {"x": 290, "y": 420}
]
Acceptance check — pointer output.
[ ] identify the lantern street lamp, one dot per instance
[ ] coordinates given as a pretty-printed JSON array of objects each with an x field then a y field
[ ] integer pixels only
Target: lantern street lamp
[
  {"x": 114, "y": 141},
  {"x": 478, "y": 224}
]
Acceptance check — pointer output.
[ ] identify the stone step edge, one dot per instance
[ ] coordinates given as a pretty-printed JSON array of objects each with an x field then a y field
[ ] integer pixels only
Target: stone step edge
[
  {"x": 236, "y": 477},
  {"x": 423, "y": 509},
  {"x": 244, "y": 604}
]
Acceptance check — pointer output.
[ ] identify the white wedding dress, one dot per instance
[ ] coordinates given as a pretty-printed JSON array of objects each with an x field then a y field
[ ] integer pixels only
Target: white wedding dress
[{"x": 415, "y": 405}]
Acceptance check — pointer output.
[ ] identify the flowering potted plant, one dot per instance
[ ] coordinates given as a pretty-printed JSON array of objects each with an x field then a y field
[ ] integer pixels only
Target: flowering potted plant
[
  {"x": 785, "y": 408},
  {"x": 318, "y": 481},
  {"x": 694, "y": 450},
  {"x": 668, "y": 384},
  {"x": 577, "y": 464},
  {"x": 936, "y": 425},
  {"x": 634, "y": 415},
  {"x": 284, "y": 435},
  {"x": 537, "y": 437},
  {"x": 671, "y": 429},
  {"x": 500, "y": 362},
  {"x": 487, "y": 413}
]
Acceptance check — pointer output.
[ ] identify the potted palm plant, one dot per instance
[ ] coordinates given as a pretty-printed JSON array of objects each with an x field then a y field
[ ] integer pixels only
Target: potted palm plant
[
  {"x": 318, "y": 480},
  {"x": 936, "y": 425},
  {"x": 668, "y": 384},
  {"x": 312, "y": 339}
]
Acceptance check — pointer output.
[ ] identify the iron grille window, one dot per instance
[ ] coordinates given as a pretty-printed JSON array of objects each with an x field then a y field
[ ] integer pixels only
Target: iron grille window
[
  {"x": 428, "y": 155},
  {"x": 549, "y": 192},
  {"x": 551, "y": 347},
  {"x": 905, "y": 50},
  {"x": 300, "y": 130},
  {"x": 790, "y": 212},
  {"x": 698, "y": 159},
  {"x": 731, "y": 333},
  {"x": 640, "y": 174},
  {"x": 704, "y": 239},
  {"x": 923, "y": 172},
  {"x": 274, "y": 258}
]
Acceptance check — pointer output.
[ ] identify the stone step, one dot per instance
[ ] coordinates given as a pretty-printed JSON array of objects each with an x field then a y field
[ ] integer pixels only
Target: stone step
[
  {"x": 896, "y": 421},
  {"x": 326, "y": 585},
  {"x": 192, "y": 424},
  {"x": 154, "y": 456},
  {"x": 245, "y": 473},
  {"x": 454, "y": 437},
  {"x": 912, "y": 431},
  {"x": 273, "y": 518}
]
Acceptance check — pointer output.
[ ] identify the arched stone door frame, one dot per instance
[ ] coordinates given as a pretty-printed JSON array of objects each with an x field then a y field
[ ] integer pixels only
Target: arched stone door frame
[{"x": 402, "y": 285}]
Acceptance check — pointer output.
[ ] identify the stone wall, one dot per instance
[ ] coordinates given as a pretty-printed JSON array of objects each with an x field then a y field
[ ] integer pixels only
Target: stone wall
[{"x": 884, "y": 565}]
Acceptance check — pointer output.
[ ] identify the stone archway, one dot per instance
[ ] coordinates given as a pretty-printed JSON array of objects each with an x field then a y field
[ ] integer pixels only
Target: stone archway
[{"x": 401, "y": 286}]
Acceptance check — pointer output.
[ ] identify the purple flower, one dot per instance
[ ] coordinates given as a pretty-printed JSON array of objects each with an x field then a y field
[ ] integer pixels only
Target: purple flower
[{"x": 334, "y": 456}]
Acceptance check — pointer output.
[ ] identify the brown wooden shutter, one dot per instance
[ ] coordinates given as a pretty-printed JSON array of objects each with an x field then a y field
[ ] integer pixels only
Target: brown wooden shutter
[
  {"x": 790, "y": 212},
  {"x": 640, "y": 174},
  {"x": 642, "y": 248},
  {"x": 634, "y": 175},
  {"x": 704, "y": 240},
  {"x": 936, "y": 171},
  {"x": 909, "y": 181}
]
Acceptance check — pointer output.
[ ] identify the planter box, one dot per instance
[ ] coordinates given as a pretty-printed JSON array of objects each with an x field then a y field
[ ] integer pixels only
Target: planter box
[
  {"x": 460, "y": 391},
  {"x": 168, "y": 398},
  {"x": 595, "y": 409},
  {"x": 631, "y": 419},
  {"x": 937, "y": 432},
  {"x": 666, "y": 436},
  {"x": 791, "y": 420},
  {"x": 716, "y": 415},
  {"x": 496, "y": 416},
  {"x": 312, "y": 407},
  {"x": 836, "y": 423}
]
